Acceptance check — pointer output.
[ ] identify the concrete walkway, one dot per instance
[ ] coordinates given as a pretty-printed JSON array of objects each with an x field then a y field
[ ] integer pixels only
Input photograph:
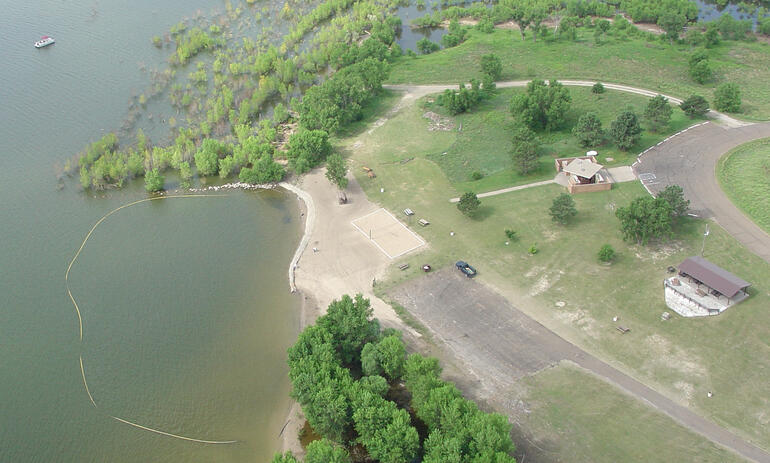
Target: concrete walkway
[
  {"x": 507, "y": 190},
  {"x": 687, "y": 159}
]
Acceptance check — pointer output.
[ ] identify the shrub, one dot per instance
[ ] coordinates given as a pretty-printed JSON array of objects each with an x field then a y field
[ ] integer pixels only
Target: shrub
[
  {"x": 511, "y": 234},
  {"x": 625, "y": 130},
  {"x": 727, "y": 97},
  {"x": 588, "y": 130},
  {"x": 469, "y": 204},
  {"x": 426, "y": 47},
  {"x": 606, "y": 253},
  {"x": 563, "y": 209},
  {"x": 153, "y": 180},
  {"x": 701, "y": 71},
  {"x": 695, "y": 106},
  {"x": 492, "y": 66},
  {"x": 477, "y": 175},
  {"x": 533, "y": 249},
  {"x": 597, "y": 88}
]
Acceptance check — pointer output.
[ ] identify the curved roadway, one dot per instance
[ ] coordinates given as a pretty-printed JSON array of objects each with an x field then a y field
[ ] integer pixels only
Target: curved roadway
[{"x": 688, "y": 159}]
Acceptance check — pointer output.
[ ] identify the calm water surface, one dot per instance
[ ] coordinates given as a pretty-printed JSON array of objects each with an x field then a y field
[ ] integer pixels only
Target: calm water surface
[{"x": 185, "y": 302}]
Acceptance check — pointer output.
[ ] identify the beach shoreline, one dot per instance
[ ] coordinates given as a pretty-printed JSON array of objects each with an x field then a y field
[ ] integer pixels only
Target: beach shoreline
[{"x": 342, "y": 262}]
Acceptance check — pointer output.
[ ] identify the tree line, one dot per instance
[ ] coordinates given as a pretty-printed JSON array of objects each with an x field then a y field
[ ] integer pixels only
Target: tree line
[{"x": 351, "y": 377}]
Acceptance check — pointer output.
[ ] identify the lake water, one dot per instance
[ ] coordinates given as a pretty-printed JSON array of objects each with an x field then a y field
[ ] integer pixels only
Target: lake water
[{"x": 185, "y": 302}]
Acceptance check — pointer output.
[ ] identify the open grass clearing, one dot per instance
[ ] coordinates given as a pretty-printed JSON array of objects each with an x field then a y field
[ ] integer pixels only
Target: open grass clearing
[
  {"x": 653, "y": 65},
  {"x": 484, "y": 144},
  {"x": 728, "y": 354},
  {"x": 744, "y": 175},
  {"x": 574, "y": 416}
]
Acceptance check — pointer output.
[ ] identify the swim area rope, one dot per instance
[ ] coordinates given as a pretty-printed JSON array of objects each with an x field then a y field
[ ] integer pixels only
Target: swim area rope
[{"x": 80, "y": 317}]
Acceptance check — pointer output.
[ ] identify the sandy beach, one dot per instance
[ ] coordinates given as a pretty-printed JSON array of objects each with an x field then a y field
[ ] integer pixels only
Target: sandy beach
[{"x": 332, "y": 259}]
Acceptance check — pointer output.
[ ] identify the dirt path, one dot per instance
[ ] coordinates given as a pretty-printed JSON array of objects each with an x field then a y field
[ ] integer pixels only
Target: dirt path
[
  {"x": 417, "y": 91},
  {"x": 498, "y": 344}
]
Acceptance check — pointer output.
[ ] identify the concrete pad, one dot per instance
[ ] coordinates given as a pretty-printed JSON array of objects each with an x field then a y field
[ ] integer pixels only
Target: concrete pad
[
  {"x": 390, "y": 236},
  {"x": 622, "y": 174}
]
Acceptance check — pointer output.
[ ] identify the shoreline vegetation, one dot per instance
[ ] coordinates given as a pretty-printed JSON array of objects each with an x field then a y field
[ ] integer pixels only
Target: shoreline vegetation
[{"x": 257, "y": 108}]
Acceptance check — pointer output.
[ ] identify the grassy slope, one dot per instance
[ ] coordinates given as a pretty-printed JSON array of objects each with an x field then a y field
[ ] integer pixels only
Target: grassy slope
[
  {"x": 588, "y": 420},
  {"x": 683, "y": 358},
  {"x": 744, "y": 174},
  {"x": 652, "y": 65},
  {"x": 484, "y": 143}
]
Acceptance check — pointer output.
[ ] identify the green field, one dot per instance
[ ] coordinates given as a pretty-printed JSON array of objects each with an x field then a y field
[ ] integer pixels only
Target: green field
[
  {"x": 484, "y": 143},
  {"x": 653, "y": 65},
  {"x": 744, "y": 174},
  {"x": 574, "y": 416},
  {"x": 683, "y": 358}
]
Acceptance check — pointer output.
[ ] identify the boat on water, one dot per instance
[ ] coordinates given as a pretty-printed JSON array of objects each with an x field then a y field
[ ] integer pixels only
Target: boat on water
[{"x": 44, "y": 41}]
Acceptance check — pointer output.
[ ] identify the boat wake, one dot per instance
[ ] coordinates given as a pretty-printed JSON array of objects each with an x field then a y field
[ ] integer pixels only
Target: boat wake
[{"x": 80, "y": 317}]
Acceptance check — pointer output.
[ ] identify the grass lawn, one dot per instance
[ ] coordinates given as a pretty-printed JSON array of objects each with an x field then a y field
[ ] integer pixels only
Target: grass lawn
[
  {"x": 484, "y": 143},
  {"x": 654, "y": 65},
  {"x": 744, "y": 174},
  {"x": 575, "y": 416},
  {"x": 683, "y": 358}
]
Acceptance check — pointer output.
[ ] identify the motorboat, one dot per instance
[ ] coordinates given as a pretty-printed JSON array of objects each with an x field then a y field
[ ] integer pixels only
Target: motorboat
[{"x": 44, "y": 41}]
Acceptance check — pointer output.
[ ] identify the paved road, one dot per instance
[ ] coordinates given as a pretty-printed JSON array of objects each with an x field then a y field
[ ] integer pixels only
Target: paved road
[
  {"x": 689, "y": 160},
  {"x": 500, "y": 344}
]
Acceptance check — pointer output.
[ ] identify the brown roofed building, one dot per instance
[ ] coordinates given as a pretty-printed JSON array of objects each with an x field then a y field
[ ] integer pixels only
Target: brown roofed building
[{"x": 703, "y": 288}]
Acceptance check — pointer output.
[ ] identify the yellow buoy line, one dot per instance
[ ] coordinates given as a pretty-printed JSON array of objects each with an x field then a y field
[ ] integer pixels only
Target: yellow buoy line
[{"x": 80, "y": 317}]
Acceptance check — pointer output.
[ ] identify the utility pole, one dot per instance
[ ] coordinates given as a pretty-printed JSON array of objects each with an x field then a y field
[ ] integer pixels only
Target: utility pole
[{"x": 703, "y": 246}]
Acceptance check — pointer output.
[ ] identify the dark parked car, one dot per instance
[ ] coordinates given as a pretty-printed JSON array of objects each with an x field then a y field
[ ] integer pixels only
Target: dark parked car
[{"x": 467, "y": 270}]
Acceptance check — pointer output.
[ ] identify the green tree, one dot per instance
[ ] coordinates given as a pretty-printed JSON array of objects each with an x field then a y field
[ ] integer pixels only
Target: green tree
[
  {"x": 588, "y": 130},
  {"x": 606, "y": 253},
  {"x": 727, "y": 97},
  {"x": 185, "y": 174},
  {"x": 426, "y": 47},
  {"x": 563, "y": 209},
  {"x": 672, "y": 23},
  {"x": 695, "y": 106},
  {"x": 658, "y": 112},
  {"x": 207, "y": 156},
  {"x": 492, "y": 66},
  {"x": 287, "y": 457},
  {"x": 625, "y": 131},
  {"x": 567, "y": 29},
  {"x": 644, "y": 219},
  {"x": 370, "y": 360},
  {"x": 674, "y": 196},
  {"x": 325, "y": 451},
  {"x": 386, "y": 431},
  {"x": 336, "y": 171},
  {"x": 348, "y": 321},
  {"x": 597, "y": 88},
  {"x": 308, "y": 148},
  {"x": 542, "y": 106},
  {"x": 392, "y": 355},
  {"x": 153, "y": 180},
  {"x": 701, "y": 71},
  {"x": 469, "y": 204},
  {"x": 524, "y": 150},
  {"x": 711, "y": 35}
]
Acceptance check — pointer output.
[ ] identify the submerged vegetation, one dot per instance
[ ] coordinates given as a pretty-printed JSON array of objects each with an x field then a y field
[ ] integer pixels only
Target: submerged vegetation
[{"x": 222, "y": 125}]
